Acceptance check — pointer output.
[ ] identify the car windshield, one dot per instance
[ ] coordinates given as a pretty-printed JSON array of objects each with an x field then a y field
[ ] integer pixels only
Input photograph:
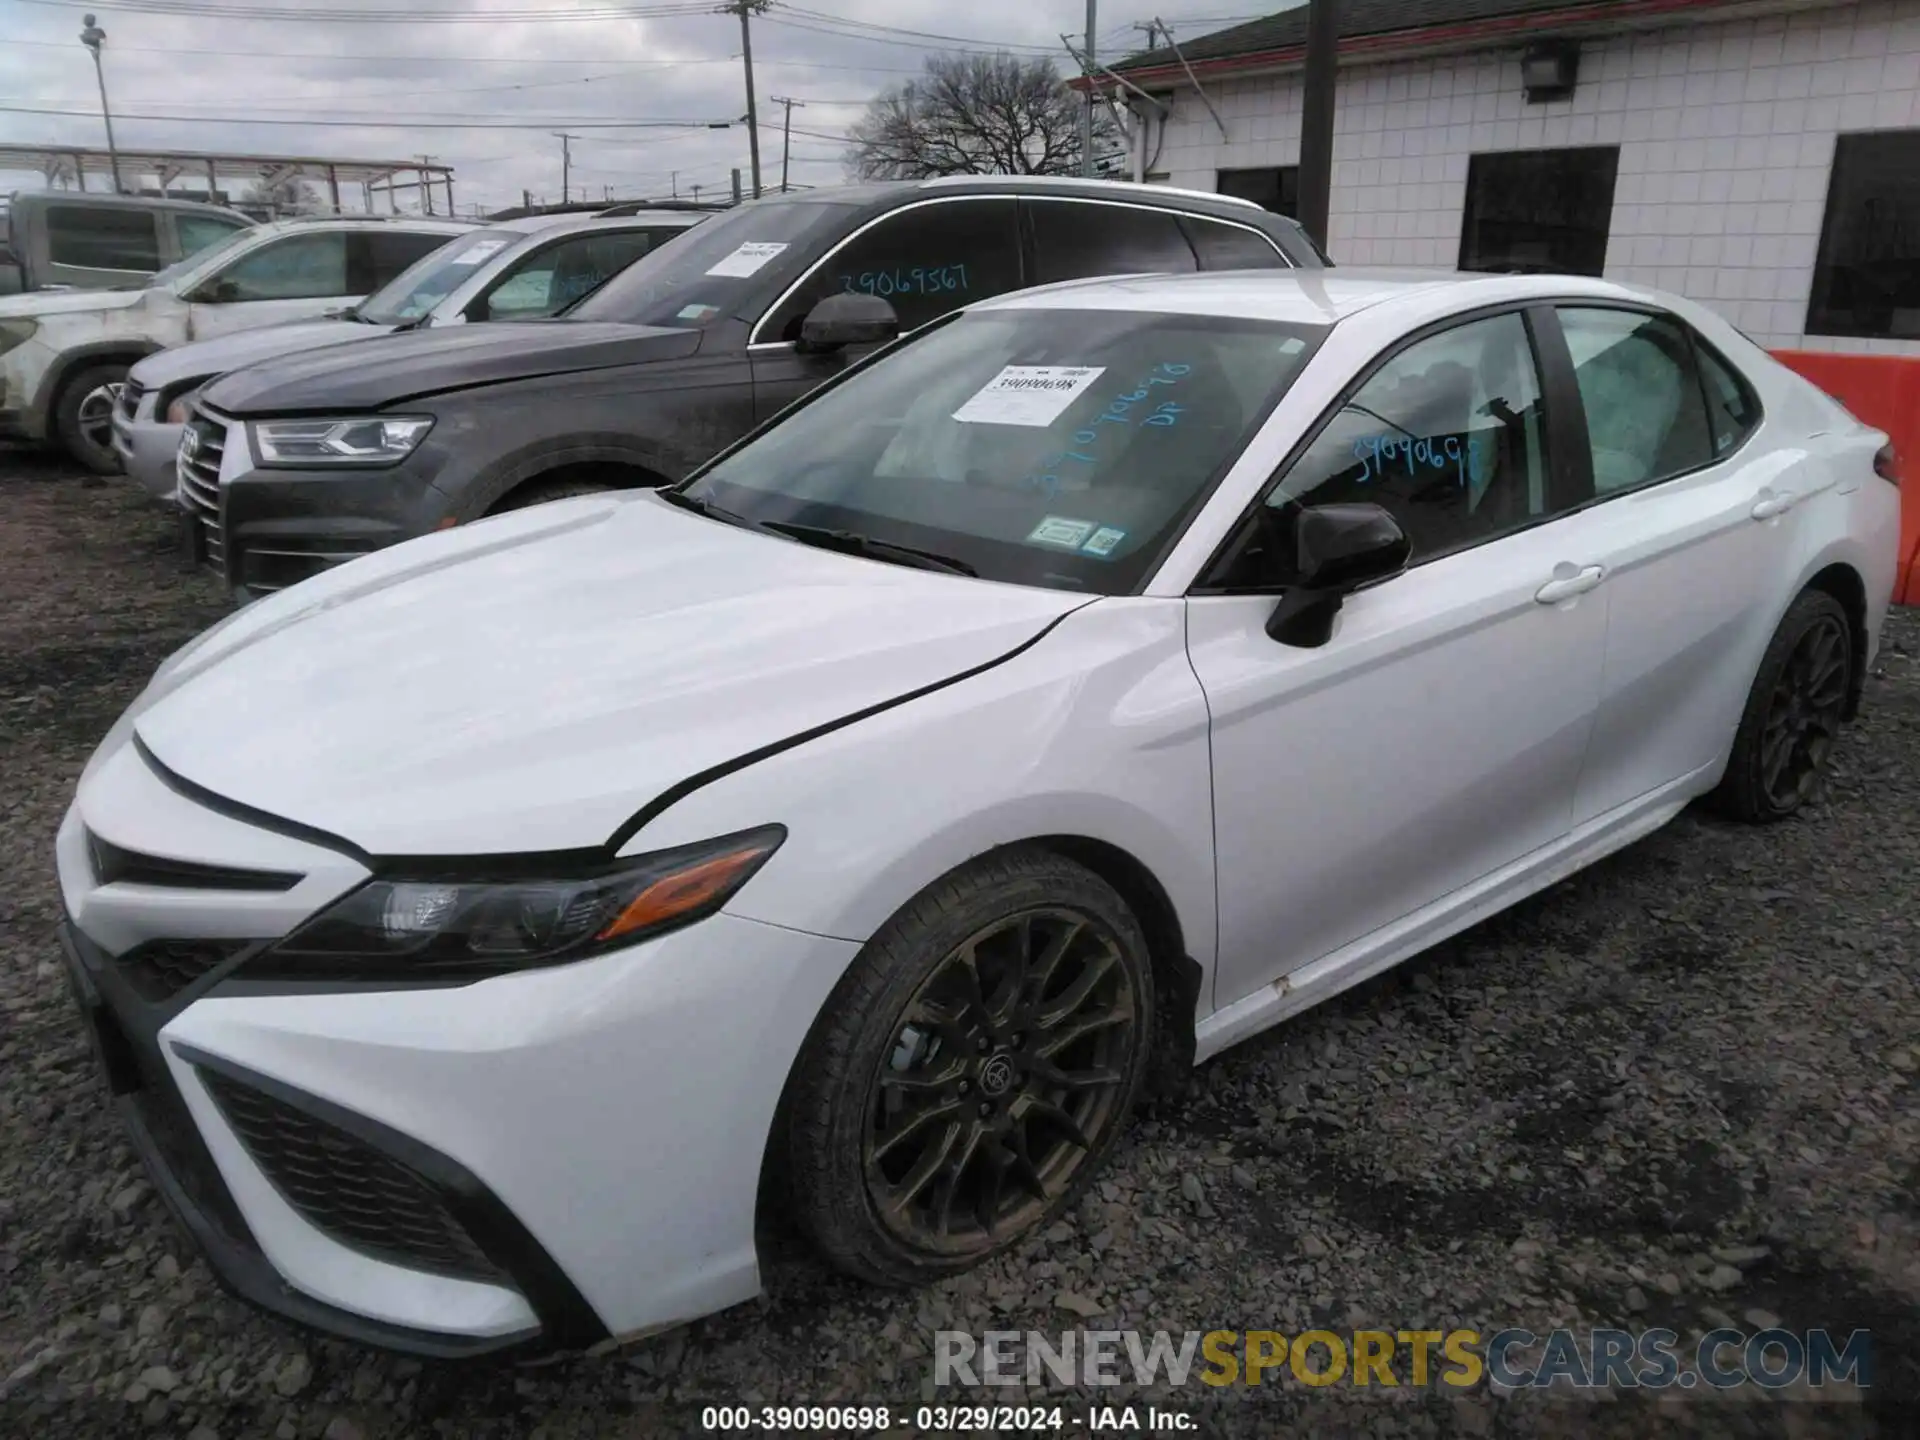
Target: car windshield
[
  {"x": 1052, "y": 447},
  {"x": 708, "y": 271},
  {"x": 433, "y": 277},
  {"x": 192, "y": 266}
]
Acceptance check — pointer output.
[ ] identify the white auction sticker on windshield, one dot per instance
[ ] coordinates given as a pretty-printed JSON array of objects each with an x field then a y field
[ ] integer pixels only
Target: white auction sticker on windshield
[
  {"x": 481, "y": 250},
  {"x": 1059, "y": 530},
  {"x": 748, "y": 258},
  {"x": 1034, "y": 395}
]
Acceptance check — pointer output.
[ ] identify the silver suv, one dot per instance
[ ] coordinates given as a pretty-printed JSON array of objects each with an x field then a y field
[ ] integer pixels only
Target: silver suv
[
  {"x": 522, "y": 270},
  {"x": 64, "y": 354}
]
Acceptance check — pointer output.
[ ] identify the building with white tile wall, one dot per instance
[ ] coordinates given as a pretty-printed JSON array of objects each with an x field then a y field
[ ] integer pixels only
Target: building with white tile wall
[{"x": 1725, "y": 118}]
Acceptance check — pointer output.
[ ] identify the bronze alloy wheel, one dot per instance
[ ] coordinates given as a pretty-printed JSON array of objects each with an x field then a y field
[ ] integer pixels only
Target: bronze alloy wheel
[
  {"x": 1803, "y": 713},
  {"x": 1008, "y": 1067}
]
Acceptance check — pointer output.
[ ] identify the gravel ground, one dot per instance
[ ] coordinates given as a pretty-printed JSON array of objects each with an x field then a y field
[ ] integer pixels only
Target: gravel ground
[{"x": 1678, "y": 1089}]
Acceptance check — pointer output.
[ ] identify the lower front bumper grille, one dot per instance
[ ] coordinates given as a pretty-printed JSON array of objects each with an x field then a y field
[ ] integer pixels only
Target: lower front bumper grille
[
  {"x": 125, "y": 1032},
  {"x": 345, "y": 1188}
]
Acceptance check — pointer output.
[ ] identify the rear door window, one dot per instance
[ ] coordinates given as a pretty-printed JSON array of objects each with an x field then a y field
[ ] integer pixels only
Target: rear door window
[
  {"x": 1221, "y": 246},
  {"x": 1076, "y": 239},
  {"x": 1646, "y": 417},
  {"x": 103, "y": 238}
]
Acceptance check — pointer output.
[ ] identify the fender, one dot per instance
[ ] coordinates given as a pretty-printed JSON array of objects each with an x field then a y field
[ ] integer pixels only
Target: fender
[
  {"x": 71, "y": 360},
  {"x": 525, "y": 463}
]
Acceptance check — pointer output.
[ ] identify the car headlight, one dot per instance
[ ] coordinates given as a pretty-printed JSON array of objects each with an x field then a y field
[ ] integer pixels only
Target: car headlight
[
  {"x": 375, "y": 440},
  {"x": 454, "y": 930},
  {"x": 179, "y": 407},
  {"x": 14, "y": 333}
]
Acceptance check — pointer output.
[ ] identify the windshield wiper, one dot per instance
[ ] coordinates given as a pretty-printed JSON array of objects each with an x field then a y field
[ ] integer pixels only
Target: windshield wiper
[
  {"x": 851, "y": 542},
  {"x": 707, "y": 508}
]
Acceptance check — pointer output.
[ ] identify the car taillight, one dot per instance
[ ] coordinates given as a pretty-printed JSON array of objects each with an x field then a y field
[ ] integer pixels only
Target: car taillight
[{"x": 1886, "y": 464}]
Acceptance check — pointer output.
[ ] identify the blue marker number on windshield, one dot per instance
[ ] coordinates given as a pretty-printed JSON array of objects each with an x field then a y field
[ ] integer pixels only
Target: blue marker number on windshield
[
  {"x": 1119, "y": 410},
  {"x": 899, "y": 280}
]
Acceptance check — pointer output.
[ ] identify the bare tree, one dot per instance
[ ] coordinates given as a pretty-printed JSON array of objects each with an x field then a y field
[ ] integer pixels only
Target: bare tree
[{"x": 976, "y": 115}]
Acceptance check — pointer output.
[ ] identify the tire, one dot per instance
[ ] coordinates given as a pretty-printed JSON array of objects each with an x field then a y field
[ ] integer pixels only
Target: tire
[
  {"x": 84, "y": 432},
  {"x": 844, "y": 1151},
  {"x": 1792, "y": 715},
  {"x": 539, "y": 493}
]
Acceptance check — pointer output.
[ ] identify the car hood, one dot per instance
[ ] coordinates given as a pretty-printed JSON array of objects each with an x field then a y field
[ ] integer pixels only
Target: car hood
[
  {"x": 529, "y": 682},
  {"x": 426, "y": 362},
  {"x": 248, "y": 347},
  {"x": 36, "y": 304}
]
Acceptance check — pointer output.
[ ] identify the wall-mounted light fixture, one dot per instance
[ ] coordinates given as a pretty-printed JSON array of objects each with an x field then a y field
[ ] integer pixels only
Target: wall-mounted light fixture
[{"x": 1550, "y": 70}]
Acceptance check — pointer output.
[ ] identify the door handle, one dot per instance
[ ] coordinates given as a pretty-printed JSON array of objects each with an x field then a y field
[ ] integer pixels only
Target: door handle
[
  {"x": 1565, "y": 587},
  {"x": 1775, "y": 504}
]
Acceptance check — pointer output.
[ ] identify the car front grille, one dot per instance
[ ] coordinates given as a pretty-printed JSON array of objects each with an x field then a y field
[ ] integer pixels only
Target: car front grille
[
  {"x": 161, "y": 969},
  {"x": 200, "y": 486},
  {"x": 131, "y": 391},
  {"x": 345, "y": 1188}
]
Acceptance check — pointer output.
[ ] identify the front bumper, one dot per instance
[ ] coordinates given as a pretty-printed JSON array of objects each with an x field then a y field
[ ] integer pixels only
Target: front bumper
[
  {"x": 596, "y": 1130},
  {"x": 148, "y": 447},
  {"x": 264, "y": 529}
]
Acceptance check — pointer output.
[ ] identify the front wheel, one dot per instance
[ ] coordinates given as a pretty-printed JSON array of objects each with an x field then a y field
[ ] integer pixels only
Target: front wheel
[
  {"x": 971, "y": 1070},
  {"x": 83, "y": 416},
  {"x": 1792, "y": 716}
]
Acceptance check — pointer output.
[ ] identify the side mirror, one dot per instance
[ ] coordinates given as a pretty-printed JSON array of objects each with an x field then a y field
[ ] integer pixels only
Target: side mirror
[
  {"x": 216, "y": 292},
  {"x": 847, "y": 319},
  {"x": 1335, "y": 550}
]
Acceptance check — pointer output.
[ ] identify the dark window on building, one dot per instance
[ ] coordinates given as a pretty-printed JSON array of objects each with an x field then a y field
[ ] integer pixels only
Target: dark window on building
[
  {"x": 1231, "y": 247},
  {"x": 1539, "y": 212},
  {"x": 100, "y": 238},
  {"x": 1275, "y": 188},
  {"x": 1867, "y": 279},
  {"x": 1076, "y": 239}
]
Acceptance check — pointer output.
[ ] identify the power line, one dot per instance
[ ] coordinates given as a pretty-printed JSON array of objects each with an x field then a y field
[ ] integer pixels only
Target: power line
[
  {"x": 872, "y": 27},
  {"x": 213, "y": 10},
  {"x": 421, "y": 122}
]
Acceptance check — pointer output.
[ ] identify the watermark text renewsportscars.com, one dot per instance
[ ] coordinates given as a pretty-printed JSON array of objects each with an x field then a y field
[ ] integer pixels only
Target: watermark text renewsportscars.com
[{"x": 1511, "y": 1359}]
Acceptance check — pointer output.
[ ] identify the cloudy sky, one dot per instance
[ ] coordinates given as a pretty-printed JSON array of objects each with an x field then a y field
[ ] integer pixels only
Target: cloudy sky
[{"x": 478, "y": 84}]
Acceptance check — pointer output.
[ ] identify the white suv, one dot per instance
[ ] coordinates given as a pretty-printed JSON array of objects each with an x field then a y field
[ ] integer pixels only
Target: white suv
[{"x": 63, "y": 355}]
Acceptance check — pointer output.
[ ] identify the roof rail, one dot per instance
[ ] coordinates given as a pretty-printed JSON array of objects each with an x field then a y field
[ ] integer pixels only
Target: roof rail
[
  {"x": 634, "y": 207},
  {"x": 939, "y": 181}
]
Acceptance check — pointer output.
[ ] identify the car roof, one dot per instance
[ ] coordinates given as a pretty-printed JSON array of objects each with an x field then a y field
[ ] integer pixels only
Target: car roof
[
  {"x": 103, "y": 201},
  {"x": 1303, "y": 297},
  {"x": 437, "y": 225},
  {"x": 884, "y": 193},
  {"x": 576, "y": 224}
]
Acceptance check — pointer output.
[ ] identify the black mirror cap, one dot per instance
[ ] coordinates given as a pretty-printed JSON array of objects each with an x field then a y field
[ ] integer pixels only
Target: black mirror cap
[
  {"x": 1337, "y": 549},
  {"x": 1342, "y": 547},
  {"x": 848, "y": 319}
]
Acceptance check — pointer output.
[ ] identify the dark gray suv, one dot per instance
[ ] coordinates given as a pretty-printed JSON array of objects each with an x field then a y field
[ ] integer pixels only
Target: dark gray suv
[{"x": 300, "y": 463}]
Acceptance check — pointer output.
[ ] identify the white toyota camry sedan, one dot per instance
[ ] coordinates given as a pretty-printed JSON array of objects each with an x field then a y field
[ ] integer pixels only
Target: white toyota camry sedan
[{"x": 1095, "y": 678}]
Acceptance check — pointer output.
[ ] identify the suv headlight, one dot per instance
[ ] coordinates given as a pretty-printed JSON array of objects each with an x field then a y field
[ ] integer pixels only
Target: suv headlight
[
  {"x": 176, "y": 406},
  {"x": 15, "y": 333},
  {"x": 430, "y": 929},
  {"x": 375, "y": 440}
]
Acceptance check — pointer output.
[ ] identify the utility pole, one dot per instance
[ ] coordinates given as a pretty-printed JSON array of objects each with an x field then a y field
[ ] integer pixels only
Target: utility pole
[
  {"x": 566, "y": 164},
  {"x": 674, "y": 181},
  {"x": 1316, "y": 117},
  {"x": 786, "y": 134},
  {"x": 1086, "y": 116},
  {"x": 696, "y": 194},
  {"x": 745, "y": 9},
  {"x": 93, "y": 37}
]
